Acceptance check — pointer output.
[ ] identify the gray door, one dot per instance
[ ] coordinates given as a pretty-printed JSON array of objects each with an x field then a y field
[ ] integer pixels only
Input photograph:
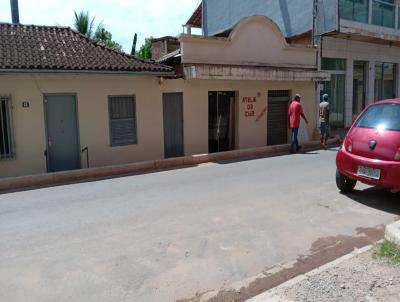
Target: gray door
[
  {"x": 173, "y": 124},
  {"x": 63, "y": 152},
  {"x": 278, "y": 106}
]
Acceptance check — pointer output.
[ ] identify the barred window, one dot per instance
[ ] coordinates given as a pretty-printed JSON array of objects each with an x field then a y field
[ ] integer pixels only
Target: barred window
[
  {"x": 6, "y": 135},
  {"x": 122, "y": 112}
]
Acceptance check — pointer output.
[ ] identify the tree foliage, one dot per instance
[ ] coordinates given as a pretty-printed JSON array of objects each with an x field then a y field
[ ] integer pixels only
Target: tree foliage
[
  {"x": 133, "y": 51},
  {"x": 85, "y": 25},
  {"x": 104, "y": 37},
  {"x": 145, "y": 49}
]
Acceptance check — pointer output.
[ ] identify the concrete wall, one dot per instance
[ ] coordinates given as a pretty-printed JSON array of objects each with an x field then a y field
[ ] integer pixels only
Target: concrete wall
[
  {"x": 360, "y": 51},
  {"x": 92, "y": 92},
  {"x": 92, "y": 99},
  {"x": 292, "y": 16},
  {"x": 251, "y": 131},
  {"x": 254, "y": 41}
]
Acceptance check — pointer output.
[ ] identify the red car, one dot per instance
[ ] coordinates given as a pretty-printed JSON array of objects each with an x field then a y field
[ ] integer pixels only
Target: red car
[{"x": 371, "y": 150}]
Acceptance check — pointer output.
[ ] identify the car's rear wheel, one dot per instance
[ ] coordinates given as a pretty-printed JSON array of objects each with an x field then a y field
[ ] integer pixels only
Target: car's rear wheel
[{"x": 345, "y": 184}]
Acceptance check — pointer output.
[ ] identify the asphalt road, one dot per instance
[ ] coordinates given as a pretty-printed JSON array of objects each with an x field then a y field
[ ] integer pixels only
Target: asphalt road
[{"x": 174, "y": 234}]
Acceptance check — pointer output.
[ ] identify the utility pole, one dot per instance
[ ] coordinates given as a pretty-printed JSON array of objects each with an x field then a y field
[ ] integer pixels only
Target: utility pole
[
  {"x": 314, "y": 25},
  {"x": 14, "y": 11}
]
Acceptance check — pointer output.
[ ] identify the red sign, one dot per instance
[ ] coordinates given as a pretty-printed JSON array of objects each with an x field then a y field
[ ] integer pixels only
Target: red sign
[
  {"x": 250, "y": 108},
  {"x": 249, "y": 99}
]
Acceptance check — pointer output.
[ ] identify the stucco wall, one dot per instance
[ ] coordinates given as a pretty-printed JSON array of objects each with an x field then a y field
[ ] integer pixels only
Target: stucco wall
[
  {"x": 92, "y": 99},
  {"x": 254, "y": 41},
  {"x": 92, "y": 92}
]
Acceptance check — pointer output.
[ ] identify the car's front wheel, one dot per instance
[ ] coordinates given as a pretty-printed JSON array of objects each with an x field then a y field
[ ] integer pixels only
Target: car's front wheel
[{"x": 345, "y": 184}]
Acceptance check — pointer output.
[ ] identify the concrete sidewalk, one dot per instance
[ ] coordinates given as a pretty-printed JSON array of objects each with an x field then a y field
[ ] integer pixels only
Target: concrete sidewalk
[
  {"x": 50, "y": 179},
  {"x": 297, "y": 285}
]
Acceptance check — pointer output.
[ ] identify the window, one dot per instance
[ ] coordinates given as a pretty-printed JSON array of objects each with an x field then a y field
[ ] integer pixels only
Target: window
[
  {"x": 359, "y": 87},
  {"x": 333, "y": 64},
  {"x": 122, "y": 111},
  {"x": 383, "y": 13},
  {"x": 6, "y": 137},
  {"x": 335, "y": 88},
  {"x": 356, "y": 10},
  {"x": 382, "y": 117},
  {"x": 385, "y": 81}
]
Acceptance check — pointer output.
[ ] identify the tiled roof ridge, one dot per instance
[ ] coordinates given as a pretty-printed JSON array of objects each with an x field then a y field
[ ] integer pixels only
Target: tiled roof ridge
[{"x": 125, "y": 56}]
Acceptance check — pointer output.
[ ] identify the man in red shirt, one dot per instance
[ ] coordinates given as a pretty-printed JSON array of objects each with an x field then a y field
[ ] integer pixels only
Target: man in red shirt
[{"x": 295, "y": 112}]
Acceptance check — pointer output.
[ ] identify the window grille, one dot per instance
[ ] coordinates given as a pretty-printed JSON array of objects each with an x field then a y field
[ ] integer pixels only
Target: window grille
[
  {"x": 122, "y": 113},
  {"x": 6, "y": 133}
]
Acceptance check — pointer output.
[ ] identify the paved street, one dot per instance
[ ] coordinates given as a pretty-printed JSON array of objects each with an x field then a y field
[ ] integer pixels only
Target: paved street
[{"x": 169, "y": 235}]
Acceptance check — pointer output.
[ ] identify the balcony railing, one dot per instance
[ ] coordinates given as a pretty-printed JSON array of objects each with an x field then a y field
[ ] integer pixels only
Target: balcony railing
[{"x": 377, "y": 12}]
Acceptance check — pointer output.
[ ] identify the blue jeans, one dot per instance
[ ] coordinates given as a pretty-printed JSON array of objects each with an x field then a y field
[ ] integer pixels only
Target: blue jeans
[
  {"x": 323, "y": 127},
  {"x": 295, "y": 143}
]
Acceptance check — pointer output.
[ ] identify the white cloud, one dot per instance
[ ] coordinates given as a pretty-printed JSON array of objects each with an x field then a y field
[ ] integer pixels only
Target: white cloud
[{"x": 121, "y": 17}]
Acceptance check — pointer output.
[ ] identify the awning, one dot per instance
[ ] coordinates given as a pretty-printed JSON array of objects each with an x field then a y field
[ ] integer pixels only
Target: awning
[{"x": 253, "y": 73}]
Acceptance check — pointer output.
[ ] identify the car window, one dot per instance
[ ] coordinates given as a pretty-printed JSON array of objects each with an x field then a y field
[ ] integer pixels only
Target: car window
[{"x": 382, "y": 117}]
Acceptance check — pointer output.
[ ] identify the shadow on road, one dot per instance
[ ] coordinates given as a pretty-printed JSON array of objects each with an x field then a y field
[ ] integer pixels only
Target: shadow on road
[
  {"x": 90, "y": 180},
  {"x": 379, "y": 199}
]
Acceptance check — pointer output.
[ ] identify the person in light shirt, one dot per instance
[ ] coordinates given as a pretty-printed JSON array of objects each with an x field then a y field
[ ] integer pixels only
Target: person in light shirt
[{"x": 324, "y": 120}]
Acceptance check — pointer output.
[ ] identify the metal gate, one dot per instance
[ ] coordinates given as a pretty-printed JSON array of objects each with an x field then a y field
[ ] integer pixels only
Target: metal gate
[{"x": 277, "y": 121}]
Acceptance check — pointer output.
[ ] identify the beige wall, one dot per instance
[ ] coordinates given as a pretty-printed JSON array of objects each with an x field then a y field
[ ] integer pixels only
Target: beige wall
[
  {"x": 252, "y": 131},
  {"x": 254, "y": 41},
  {"x": 92, "y": 92},
  {"x": 92, "y": 97}
]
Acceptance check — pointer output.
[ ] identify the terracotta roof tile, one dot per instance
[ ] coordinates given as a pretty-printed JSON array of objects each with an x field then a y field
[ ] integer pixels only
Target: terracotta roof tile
[
  {"x": 61, "y": 48},
  {"x": 196, "y": 19}
]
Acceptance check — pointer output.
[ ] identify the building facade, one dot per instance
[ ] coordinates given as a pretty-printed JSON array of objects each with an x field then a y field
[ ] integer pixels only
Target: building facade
[
  {"x": 358, "y": 43},
  {"x": 69, "y": 103}
]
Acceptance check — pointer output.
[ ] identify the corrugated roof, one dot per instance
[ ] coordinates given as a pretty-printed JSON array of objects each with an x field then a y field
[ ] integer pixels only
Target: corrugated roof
[{"x": 32, "y": 47}]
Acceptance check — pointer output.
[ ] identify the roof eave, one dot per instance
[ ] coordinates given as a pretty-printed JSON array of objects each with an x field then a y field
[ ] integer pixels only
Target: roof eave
[{"x": 50, "y": 71}]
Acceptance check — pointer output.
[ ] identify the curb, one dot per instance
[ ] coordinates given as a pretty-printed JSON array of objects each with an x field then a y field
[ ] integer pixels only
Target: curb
[
  {"x": 392, "y": 232},
  {"x": 272, "y": 294},
  {"x": 49, "y": 179}
]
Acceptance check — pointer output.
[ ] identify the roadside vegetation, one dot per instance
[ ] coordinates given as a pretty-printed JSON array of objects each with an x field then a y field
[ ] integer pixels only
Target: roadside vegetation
[
  {"x": 85, "y": 25},
  {"x": 390, "y": 251}
]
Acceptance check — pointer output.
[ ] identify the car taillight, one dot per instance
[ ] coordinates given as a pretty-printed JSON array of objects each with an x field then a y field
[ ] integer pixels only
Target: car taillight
[
  {"x": 348, "y": 145},
  {"x": 397, "y": 156}
]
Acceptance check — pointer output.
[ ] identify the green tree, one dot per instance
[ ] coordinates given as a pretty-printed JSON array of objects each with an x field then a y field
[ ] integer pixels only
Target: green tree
[
  {"x": 85, "y": 25},
  {"x": 145, "y": 49},
  {"x": 133, "y": 51},
  {"x": 104, "y": 37}
]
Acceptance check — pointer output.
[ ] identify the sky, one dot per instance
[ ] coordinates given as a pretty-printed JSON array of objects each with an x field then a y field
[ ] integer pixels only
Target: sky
[{"x": 121, "y": 17}]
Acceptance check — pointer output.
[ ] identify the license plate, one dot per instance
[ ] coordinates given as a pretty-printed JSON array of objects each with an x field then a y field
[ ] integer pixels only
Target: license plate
[{"x": 369, "y": 172}]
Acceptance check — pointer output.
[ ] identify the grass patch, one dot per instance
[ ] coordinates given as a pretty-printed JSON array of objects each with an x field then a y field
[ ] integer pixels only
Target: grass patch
[{"x": 389, "y": 251}]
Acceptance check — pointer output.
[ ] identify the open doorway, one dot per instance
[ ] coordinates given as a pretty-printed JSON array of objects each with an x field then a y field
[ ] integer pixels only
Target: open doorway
[{"x": 221, "y": 121}]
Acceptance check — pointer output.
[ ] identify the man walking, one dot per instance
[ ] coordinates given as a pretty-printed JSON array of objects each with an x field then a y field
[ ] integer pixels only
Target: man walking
[
  {"x": 295, "y": 112},
  {"x": 324, "y": 120}
]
